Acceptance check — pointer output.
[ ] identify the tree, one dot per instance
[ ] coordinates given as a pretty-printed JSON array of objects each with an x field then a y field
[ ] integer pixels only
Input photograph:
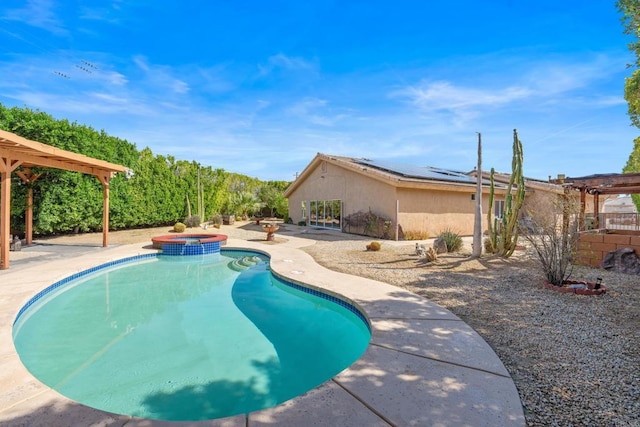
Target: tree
[
  {"x": 244, "y": 203},
  {"x": 272, "y": 196},
  {"x": 630, "y": 10}
]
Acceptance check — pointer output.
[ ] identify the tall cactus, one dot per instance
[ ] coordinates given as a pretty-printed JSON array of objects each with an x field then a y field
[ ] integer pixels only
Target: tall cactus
[{"x": 503, "y": 236}]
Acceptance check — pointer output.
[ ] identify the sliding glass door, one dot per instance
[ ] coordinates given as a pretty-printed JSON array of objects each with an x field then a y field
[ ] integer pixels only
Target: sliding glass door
[{"x": 325, "y": 213}]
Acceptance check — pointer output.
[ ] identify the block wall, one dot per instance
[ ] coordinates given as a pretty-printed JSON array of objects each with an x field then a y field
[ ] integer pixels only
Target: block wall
[{"x": 592, "y": 247}]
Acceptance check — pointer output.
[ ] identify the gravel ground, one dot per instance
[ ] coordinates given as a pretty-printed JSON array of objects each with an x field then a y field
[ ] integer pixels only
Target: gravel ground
[{"x": 574, "y": 359}]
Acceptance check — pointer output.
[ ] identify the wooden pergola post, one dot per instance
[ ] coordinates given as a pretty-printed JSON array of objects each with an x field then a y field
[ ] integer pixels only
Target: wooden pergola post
[
  {"x": 28, "y": 178},
  {"x": 7, "y": 166},
  {"x": 596, "y": 210},
  {"x": 583, "y": 207},
  {"x": 104, "y": 179}
]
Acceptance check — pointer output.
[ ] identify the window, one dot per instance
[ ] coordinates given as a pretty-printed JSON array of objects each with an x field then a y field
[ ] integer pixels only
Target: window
[{"x": 498, "y": 208}]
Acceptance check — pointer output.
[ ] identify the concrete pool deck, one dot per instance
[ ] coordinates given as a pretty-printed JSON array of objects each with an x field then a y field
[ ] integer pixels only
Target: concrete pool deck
[{"x": 423, "y": 367}]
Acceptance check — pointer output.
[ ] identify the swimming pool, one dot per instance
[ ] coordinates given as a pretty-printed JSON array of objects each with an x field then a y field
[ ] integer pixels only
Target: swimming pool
[{"x": 187, "y": 338}]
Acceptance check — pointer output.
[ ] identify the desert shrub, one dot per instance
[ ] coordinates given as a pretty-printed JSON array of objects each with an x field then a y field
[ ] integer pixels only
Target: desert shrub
[
  {"x": 431, "y": 255},
  {"x": 416, "y": 235},
  {"x": 554, "y": 236},
  {"x": 374, "y": 246},
  {"x": 192, "y": 221},
  {"x": 302, "y": 223},
  {"x": 179, "y": 227},
  {"x": 488, "y": 245},
  {"x": 453, "y": 240},
  {"x": 216, "y": 220}
]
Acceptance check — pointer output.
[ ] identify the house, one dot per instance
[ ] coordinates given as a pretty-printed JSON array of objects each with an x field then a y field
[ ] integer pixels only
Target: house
[
  {"x": 538, "y": 194},
  {"x": 620, "y": 213},
  {"x": 623, "y": 204},
  {"x": 347, "y": 193}
]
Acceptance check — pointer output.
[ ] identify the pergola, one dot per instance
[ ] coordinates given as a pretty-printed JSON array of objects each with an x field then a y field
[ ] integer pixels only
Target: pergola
[
  {"x": 610, "y": 183},
  {"x": 18, "y": 152}
]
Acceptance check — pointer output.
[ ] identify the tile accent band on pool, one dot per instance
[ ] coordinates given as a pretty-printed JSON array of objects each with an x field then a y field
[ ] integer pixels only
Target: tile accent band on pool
[{"x": 46, "y": 291}]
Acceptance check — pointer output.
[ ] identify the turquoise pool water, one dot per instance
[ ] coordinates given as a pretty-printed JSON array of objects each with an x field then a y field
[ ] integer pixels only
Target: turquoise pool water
[{"x": 186, "y": 338}]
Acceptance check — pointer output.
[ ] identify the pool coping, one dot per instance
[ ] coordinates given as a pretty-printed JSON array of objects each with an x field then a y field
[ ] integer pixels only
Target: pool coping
[{"x": 423, "y": 366}]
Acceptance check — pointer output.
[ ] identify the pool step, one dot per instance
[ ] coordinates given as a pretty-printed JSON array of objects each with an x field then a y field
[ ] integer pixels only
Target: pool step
[{"x": 244, "y": 263}]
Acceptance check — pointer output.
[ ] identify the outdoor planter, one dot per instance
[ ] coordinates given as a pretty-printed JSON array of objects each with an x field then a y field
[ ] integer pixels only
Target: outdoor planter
[{"x": 577, "y": 287}]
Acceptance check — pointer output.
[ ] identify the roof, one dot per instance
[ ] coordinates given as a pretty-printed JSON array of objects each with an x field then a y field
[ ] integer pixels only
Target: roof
[
  {"x": 418, "y": 172},
  {"x": 33, "y": 153},
  {"x": 399, "y": 175}
]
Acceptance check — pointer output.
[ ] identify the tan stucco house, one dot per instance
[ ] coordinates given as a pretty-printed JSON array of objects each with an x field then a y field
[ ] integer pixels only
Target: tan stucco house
[
  {"x": 538, "y": 192},
  {"x": 430, "y": 200}
]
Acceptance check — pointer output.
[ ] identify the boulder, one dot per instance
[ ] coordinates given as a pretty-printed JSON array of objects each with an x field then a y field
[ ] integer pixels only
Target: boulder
[
  {"x": 440, "y": 246},
  {"x": 623, "y": 260}
]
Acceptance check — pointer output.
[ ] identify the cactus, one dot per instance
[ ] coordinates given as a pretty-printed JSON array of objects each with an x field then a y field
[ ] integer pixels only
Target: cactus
[{"x": 503, "y": 236}]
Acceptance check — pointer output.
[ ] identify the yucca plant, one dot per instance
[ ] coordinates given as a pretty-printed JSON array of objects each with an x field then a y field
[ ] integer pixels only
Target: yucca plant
[{"x": 452, "y": 240}]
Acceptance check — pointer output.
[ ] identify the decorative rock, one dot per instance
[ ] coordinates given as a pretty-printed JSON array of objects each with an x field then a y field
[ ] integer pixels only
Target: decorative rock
[
  {"x": 16, "y": 245},
  {"x": 440, "y": 246},
  {"x": 623, "y": 260}
]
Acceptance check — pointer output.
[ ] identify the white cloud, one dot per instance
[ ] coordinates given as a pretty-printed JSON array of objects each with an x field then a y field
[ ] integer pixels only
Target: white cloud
[
  {"x": 442, "y": 95},
  {"x": 308, "y": 110},
  {"x": 37, "y": 13},
  {"x": 161, "y": 77},
  {"x": 283, "y": 61},
  {"x": 543, "y": 84},
  {"x": 116, "y": 78},
  {"x": 141, "y": 62}
]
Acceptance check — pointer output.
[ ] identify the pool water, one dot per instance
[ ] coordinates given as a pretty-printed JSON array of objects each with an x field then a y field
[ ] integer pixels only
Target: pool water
[{"x": 186, "y": 338}]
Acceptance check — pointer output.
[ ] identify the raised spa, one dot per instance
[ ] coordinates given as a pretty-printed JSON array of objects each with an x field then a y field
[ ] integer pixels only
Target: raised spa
[{"x": 189, "y": 244}]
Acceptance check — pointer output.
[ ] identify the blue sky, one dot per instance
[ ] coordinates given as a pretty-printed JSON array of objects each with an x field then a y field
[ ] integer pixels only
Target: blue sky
[{"x": 259, "y": 87}]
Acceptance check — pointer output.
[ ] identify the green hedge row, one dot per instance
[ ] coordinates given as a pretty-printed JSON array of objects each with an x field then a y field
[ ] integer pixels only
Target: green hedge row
[{"x": 161, "y": 191}]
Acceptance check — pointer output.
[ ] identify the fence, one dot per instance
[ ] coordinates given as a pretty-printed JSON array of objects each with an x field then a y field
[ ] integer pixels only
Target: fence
[{"x": 616, "y": 221}]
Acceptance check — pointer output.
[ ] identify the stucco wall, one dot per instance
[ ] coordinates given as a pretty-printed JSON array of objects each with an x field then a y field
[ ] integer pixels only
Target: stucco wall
[
  {"x": 358, "y": 193},
  {"x": 436, "y": 211}
]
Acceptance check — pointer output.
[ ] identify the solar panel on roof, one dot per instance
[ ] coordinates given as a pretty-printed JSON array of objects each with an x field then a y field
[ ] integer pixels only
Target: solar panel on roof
[{"x": 419, "y": 172}]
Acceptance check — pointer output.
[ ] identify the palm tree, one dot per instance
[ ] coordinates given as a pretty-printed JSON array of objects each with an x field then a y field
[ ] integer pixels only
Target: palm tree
[{"x": 245, "y": 203}]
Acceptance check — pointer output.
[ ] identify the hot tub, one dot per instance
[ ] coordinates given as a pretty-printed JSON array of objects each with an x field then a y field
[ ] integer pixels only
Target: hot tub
[{"x": 189, "y": 244}]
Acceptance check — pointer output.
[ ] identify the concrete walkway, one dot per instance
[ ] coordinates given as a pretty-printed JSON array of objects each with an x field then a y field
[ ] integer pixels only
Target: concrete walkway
[{"x": 423, "y": 367}]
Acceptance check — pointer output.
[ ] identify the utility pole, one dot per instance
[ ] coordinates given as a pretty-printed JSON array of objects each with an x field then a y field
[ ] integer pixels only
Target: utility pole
[{"x": 477, "y": 225}]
